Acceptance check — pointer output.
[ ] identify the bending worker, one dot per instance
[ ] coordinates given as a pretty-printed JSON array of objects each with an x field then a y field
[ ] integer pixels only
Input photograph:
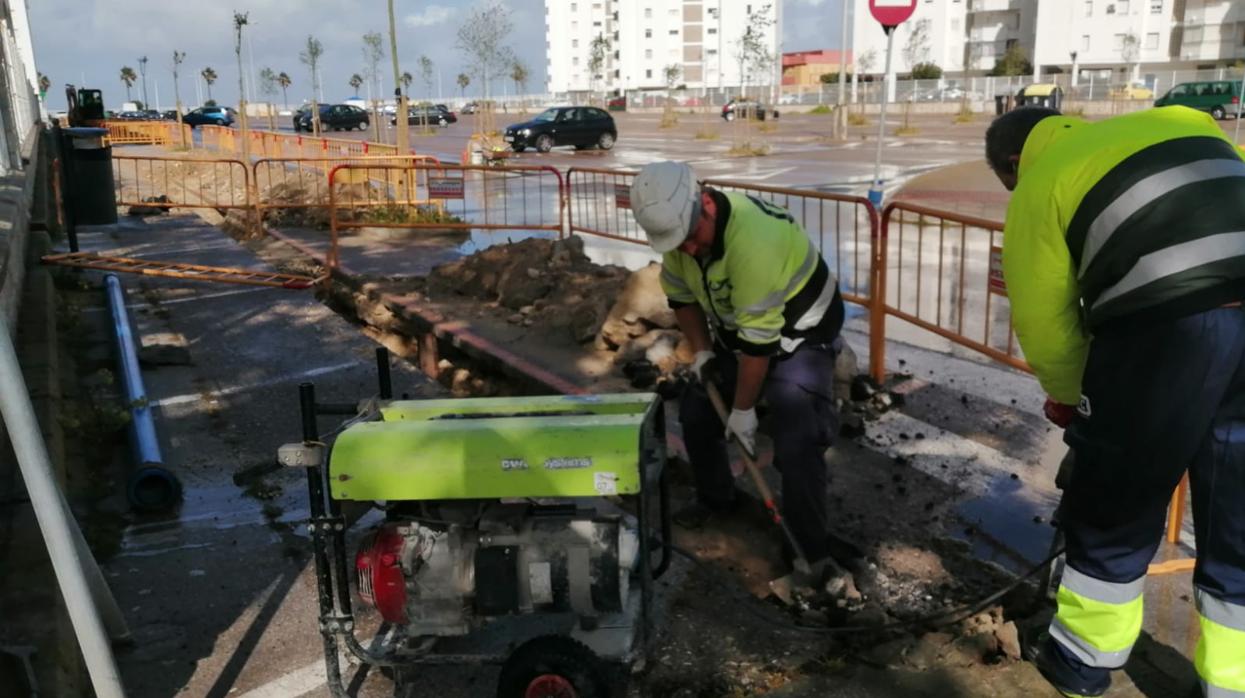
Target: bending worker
[
  {"x": 1124, "y": 257},
  {"x": 761, "y": 310}
]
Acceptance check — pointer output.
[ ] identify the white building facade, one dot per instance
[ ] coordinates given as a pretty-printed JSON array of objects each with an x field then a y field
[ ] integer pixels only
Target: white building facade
[
  {"x": 1120, "y": 40},
  {"x": 700, "y": 37}
]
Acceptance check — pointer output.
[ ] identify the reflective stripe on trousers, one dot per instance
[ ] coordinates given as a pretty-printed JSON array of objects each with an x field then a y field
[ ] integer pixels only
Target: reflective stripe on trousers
[
  {"x": 1220, "y": 658},
  {"x": 1098, "y": 621}
]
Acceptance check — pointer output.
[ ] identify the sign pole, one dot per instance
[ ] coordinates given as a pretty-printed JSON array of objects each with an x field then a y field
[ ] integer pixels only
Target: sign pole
[
  {"x": 1236, "y": 137},
  {"x": 875, "y": 191}
]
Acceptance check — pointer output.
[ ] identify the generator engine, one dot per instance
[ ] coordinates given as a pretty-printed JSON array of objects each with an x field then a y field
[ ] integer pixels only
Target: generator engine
[{"x": 447, "y": 576}]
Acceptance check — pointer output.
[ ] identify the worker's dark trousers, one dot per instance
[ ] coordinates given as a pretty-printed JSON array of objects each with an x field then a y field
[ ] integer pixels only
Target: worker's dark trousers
[
  {"x": 1160, "y": 399},
  {"x": 799, "y": 394}
]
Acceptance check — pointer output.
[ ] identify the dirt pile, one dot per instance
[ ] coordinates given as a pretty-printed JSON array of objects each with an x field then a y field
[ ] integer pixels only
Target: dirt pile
[
  {"x": 298, "y": 204},
  {"x": 543, "y": 283}
]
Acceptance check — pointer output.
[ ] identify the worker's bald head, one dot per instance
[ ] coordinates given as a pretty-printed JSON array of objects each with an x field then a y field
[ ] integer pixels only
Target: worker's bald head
[{"x": 1005, "y": 139}]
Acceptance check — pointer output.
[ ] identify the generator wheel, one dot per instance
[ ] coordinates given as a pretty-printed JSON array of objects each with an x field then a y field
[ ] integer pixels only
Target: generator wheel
[{"x": 553, "y": 666}]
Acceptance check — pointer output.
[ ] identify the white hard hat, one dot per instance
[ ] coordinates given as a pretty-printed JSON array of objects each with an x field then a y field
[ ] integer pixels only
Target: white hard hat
[{"x": 665, "y": 199}]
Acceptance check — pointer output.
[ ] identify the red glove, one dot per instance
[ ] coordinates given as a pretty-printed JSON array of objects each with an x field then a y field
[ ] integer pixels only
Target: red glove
[{"x": 1058, "y": 413}]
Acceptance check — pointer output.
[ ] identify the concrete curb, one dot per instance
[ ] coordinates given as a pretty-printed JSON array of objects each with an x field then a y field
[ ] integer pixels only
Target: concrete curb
[{"x": 432, "y": 332}]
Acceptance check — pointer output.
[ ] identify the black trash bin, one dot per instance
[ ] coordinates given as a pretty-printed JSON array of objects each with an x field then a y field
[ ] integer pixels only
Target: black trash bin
[{"x": 90, "y": 196}]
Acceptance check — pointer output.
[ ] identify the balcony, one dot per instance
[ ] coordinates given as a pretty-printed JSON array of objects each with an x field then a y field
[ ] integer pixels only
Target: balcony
[{"x": 992, "y": 5}]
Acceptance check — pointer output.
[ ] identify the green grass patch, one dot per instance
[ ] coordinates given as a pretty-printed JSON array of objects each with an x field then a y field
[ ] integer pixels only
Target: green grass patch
[
  {"x": 857, "y": 120},
  {"x": 820, "y": 109}
]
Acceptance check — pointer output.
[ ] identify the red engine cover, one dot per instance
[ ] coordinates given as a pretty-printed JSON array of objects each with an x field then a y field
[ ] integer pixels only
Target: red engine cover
[{"x": 379, "y": 567}]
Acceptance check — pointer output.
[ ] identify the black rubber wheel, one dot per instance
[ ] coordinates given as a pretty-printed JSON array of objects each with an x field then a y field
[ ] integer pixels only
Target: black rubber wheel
[
  {"x": 729, "y": 116},
  {"x": 1218, "y": 113},
  {"x": 363, "y": 125},
  {"x": 553, "y": 666},
  {"x": 544, "y": 143},
  {"x": 606, "y": 141},
  {"x": 443, "y": 123}
]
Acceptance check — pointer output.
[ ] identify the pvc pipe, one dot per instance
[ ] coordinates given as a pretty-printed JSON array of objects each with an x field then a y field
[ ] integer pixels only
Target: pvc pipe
[
  {"x": 150, "y": 487},
  {"x": 55, "y": 523}
]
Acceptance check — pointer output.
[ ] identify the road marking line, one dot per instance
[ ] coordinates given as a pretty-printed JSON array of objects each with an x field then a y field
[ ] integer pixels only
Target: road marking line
[
  {"x": 277, "y": 380},
  {"x": 295, "y": 683}
]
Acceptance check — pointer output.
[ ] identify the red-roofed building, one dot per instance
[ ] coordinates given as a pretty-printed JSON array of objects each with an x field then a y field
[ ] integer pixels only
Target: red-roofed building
[{"x": 807, "y": 67}]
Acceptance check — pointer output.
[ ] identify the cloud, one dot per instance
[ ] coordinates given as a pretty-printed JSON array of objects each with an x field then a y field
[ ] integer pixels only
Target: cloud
[{"x": 435, "y": 14}]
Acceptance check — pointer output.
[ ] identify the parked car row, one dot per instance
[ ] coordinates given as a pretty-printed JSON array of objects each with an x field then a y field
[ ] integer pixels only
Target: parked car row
[
  {"x": 419, "y": 114},
  {"x": 582, "y": 127},
  {"x": 747, "y": 109},
  {"x": 333, "y": 117}
]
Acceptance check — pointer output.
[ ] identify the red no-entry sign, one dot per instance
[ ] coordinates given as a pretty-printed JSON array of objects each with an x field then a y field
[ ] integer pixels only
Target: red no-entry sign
[{"x": 892, "y": 13}]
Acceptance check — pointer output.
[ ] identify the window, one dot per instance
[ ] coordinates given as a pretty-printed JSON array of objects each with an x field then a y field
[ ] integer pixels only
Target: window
[
  {"x": 674, "y": 32},
  {"x": 674, "y": 12},
  {"x": 1119, "y": 42},
  {"x": 1089, "y": 8},
  {"x": 575, "y": 60},
  {"x": 1152, "y": 41},
  {"x": 596, "y": 24},
  {"x": 648, "y": 33},
  {"x": 713, "y": 30},
  {"x": 648, "y": 13},
  {"x": 712, "y": 52},
  {"x": 574, "y": 6},
  {"x": 648, "y": 53},
  {"x": 1156, "y": 7},
  {"x": 574, "y": 43},
  {"x": 648, "y": 73},
  {"x": 1121, "y": 7},
  {"x": 1084, "y": 42},
  {"x": 713, "y": 12},
  {"x": 596, "y": 5},
  {"x": 574, "y": 25}
]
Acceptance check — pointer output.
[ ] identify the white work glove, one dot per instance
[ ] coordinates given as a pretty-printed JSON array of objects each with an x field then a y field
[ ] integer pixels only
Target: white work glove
[
  {"x": 698, "y": 363},
  {"x": 742, "y": 424}
]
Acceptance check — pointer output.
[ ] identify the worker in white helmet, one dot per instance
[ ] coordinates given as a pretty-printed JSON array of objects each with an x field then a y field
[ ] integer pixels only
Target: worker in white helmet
[{"x": 762, "y": 313}]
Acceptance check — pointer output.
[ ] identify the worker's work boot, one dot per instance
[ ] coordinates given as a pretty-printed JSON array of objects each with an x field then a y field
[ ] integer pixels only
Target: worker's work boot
[{"x": 1041, "y": 651}]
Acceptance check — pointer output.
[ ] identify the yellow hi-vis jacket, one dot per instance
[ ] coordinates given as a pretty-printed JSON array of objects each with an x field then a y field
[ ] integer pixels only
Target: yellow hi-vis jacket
[
  {"x": 1138, "y": 217},
  {"x": 764, "y": 287}
]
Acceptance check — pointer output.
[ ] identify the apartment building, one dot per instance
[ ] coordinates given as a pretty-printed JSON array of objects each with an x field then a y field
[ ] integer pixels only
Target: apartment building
[
  {"x": 1120, "y": 39},
  {"x": 700, "y": 37}
]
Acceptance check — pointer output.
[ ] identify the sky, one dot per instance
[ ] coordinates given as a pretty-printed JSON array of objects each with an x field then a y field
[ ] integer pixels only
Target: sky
[{"x": 87, "y": 42}]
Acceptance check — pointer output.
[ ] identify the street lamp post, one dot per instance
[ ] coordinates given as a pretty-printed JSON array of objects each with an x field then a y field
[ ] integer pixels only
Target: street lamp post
[{"x": 142, "y": 69}]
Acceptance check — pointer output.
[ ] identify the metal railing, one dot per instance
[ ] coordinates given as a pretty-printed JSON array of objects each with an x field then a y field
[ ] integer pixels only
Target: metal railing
[
  {"x": 444, "y": 197},
  {"x": 163, "y": 133},
  {"x": 288, "y": 183},
  {"x": 183, "y": 182},
  {"x": 942, "y": 272}
]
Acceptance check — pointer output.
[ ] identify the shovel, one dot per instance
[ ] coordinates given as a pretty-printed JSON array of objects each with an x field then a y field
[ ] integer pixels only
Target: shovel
[{"x": 803, "y": 574}]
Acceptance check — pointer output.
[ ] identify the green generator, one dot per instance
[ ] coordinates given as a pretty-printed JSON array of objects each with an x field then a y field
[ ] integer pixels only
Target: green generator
[{"x": 519, "y": 531}]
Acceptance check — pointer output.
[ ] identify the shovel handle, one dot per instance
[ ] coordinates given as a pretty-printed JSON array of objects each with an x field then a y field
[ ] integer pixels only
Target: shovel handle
[{"x": 719, "y": 406}]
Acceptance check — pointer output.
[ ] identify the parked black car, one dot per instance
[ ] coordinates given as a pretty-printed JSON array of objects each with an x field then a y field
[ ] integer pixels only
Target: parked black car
[
  {"x": 582, "y": 127},
  {"x": 211, "y": 116},
  {"x": 436, "y": 114},
  {"x": 333, "y": 117},
  {"x": 750, "y": 108}
]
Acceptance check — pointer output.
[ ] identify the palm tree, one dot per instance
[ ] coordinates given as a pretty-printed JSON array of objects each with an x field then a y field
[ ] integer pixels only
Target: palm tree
[
  {"x": 209, "y": 77},
  {"x": 407, "y": 79},
  {"x": 284, "y": 81},
  {"x": 129, "y": 77},
  {"x": 356, "y": 81},
  {"x": 463, "y": 81}
]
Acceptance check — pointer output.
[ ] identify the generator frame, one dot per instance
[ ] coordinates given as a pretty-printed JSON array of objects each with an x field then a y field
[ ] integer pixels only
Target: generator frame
[{"x": 327, "y": 527}]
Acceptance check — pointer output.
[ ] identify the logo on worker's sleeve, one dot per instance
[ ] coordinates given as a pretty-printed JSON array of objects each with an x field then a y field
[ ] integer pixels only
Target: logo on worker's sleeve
[{"x": 1082, "y": 407}]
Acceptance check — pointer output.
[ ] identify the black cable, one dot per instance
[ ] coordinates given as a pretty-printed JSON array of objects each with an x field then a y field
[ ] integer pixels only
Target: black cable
[{"x": 952, "y": 616}]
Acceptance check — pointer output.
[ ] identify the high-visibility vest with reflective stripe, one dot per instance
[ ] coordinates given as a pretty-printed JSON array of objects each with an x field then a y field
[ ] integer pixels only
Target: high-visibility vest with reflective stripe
[
  {"x": 768, "y": 269},
  {"x": 1138, "y": 217}
]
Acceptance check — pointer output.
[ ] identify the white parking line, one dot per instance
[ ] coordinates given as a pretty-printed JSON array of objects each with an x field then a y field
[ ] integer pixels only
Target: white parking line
[
  {"x": 295, "y": 683},
  {"x": 276, "y": 380}
]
